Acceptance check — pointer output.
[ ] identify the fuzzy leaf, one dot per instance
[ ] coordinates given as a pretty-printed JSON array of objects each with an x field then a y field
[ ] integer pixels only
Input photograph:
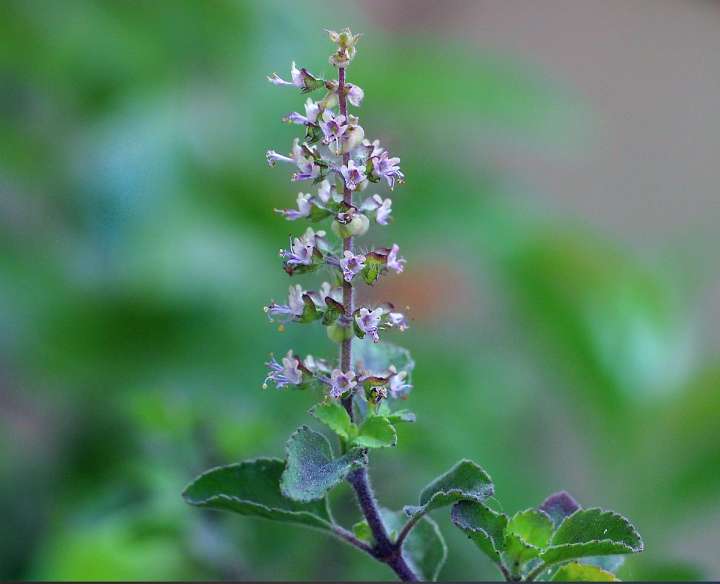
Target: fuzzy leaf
[
  {"x": 376, "y": 432},
  {"x": 485, "y": 527},
  {"x": 464, "y": 481},
  {"x": 311, "y": 470},
  {"x": 592, "y": 532},
  {"x": 559, "y": 506},
  {"x": 252, "y": 488},
  {"x": 424, "y": 549},
  {"x": 575, "y": 572},
  {"x": 335, "y": 417}
]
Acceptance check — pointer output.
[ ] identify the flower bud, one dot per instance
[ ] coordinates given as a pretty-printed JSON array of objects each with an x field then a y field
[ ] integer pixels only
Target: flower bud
[
  {"x": 352, "y": 139},
  {"x": 338, "y": 333},
  {"x": 358, "y": 225}
]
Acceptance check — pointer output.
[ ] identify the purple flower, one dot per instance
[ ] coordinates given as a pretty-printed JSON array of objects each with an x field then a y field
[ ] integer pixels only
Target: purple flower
[
  {"x": 294, "y": 308},
  {"x": 398, "y": 386},
  {"x": 300, "y": 252},
  {"x": 308, "y": 170},
  {"x": 355, "y": 94},
  {"x": 369, "y": 322},
  {"x": 382, "y": 208},
  {"x": 301, "y": 79},
  {"x": 351, "y": 265},
  {"x": 312, "y": 110},
  {"x": 341, "y": 382},
  {"x": 373, "y": 149},
  {"x": 304, "y": 203},
  {"x": 283, "y": 374},
  {"x": 387, "y": 168},
  {"x": 333, "y": 127},
  {"x": 393, "y": 261},
  {"x": 352, "y": 174}
]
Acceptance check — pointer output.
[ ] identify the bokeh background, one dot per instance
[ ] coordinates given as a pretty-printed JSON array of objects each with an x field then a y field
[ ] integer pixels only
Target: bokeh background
[{"x": 560, "y": 220}]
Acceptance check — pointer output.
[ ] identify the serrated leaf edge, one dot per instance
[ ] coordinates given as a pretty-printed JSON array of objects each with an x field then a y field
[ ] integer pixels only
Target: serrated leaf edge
[{"x": 630, "y": 549}]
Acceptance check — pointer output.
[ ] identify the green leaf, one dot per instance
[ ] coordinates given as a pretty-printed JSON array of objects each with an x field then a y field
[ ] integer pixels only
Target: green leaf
[
  {"x": 592, "y": 532},
  {"x": 532, "y": 526},
  {"x": 464, "y": 481},
  {"x": 424, "y": 549},
  {"x": 311, "y": 470},
  {"x": 402, "y": 416},
  {"x": 376, "y": 432},
  {"x": 485, "y": 527},
  {"x": 527, "y": 533},
  {"x": 252, "y": 488},
  {"x": 335, "y": 417},
  {"x": 575, "y": 572},
  {"x": 362, "y": 531}
]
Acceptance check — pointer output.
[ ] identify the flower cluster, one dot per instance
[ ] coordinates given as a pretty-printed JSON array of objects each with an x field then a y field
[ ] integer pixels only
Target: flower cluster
[{"x": 336, "y": 157}]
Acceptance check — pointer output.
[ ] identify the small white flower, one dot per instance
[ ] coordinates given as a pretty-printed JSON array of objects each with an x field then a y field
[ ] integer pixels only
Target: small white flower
[
  {"x": 382, "y": 208},
  {"x": 326, "y": 191},
  {"x": 355, "y": 94}
]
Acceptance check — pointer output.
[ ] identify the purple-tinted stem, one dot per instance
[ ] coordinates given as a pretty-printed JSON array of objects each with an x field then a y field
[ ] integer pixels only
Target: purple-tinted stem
[{"x": 384, "y": 549}]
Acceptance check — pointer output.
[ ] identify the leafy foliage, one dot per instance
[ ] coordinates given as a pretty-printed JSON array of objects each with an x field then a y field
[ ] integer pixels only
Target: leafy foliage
[
  {"x": 530, "y": 542},
  {"x": 464, "y": 481},
  {"x": 311, "y": 470},
  {"x": 252, "y": 488}
]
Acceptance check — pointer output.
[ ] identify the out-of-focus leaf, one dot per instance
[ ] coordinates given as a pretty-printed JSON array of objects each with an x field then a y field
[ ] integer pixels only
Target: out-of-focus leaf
[
  {"x": 575, "y": 572},
  {"x": 424, "y": 549}
]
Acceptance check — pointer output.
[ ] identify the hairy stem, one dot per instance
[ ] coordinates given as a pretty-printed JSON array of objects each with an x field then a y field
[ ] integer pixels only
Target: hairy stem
[{"x": 384, "y": 550}]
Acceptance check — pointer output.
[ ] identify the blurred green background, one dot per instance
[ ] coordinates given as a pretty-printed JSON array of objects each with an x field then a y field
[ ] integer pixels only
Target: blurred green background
[{"x": 555, "y": 346}]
